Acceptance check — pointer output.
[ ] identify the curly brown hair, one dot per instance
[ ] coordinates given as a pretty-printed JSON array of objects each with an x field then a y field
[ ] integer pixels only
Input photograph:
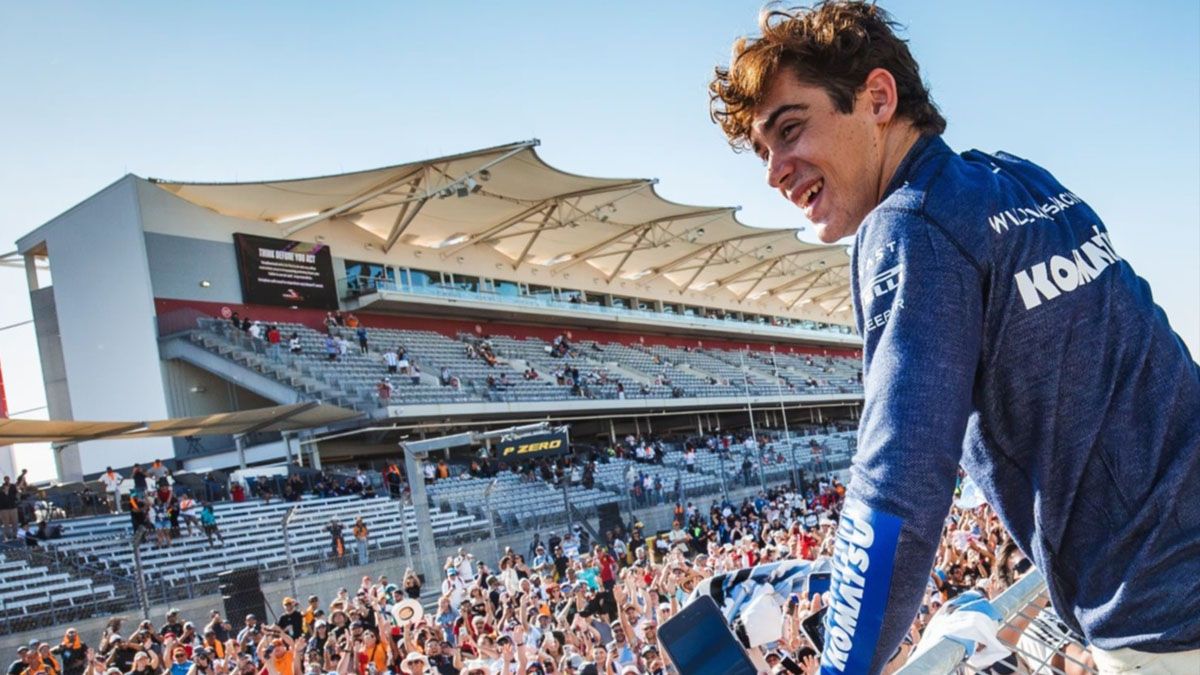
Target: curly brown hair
[{"x": 835, "y": 45}]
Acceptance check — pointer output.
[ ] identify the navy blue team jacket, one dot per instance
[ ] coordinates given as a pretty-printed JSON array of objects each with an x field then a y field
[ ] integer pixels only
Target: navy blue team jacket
[{"x": 1003, "y": 330}]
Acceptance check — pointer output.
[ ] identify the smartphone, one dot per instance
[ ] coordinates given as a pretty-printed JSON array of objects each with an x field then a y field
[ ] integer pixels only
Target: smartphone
[
  {"x": 699, "y": 642},
  {"x": 814, "y": 629},
  {"x": 818, "y": 582}
]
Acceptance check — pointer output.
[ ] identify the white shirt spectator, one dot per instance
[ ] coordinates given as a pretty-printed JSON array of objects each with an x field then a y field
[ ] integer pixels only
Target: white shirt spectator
[
  {"x": 570, "y": 547},
  {"x": 390, "y": 359},
  {"x": 112, "y": 483},
  {"x": 466, "y": 567},
  {"x": 455, "y": 588}
]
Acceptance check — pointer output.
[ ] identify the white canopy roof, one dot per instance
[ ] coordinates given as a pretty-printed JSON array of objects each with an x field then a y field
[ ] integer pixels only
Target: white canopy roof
[{"x": 507, "y": 198}]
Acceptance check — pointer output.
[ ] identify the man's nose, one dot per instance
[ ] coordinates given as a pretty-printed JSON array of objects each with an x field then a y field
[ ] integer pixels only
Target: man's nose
[{"x": 779, "y": 170}]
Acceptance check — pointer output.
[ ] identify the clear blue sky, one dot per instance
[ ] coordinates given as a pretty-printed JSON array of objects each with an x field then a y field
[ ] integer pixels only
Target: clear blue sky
[{"x": 1104, "y": 94}]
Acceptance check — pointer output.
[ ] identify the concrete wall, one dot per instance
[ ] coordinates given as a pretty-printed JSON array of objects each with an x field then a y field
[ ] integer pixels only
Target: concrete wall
[
  {"x": 104, "y": 308},
  {"x": 192, "y": 392},
  {"x": 178, "y": 265}
]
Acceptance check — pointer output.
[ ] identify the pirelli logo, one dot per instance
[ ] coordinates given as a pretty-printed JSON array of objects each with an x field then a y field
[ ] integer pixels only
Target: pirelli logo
[{"x": 540, "y": 445}]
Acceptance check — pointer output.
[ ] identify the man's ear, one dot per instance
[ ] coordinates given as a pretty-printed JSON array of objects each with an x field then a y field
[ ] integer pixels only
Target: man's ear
[{"x": 879, "y": 89}]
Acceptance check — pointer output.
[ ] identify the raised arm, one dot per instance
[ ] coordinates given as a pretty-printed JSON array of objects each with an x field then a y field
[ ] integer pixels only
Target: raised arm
[{"x": 920, "y": 313}]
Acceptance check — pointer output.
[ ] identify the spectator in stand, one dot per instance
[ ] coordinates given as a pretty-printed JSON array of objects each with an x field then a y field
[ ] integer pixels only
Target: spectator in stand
[
  {"x": 209, "y": 523},
  {"x": 415, "y": 374},
  {"x": 274, "y": 338},
  {"x": 384, "y": 391},
  {"x": 360, "y": 539},
  {"x": 294, "y": 345},
  {"x": 392, "y": 360},
  {"x": 140, "y": 482},
  {"x": 9, "y": 498},
  {"x": 112, "y": 488},
  {"x": 331, "y": 348},
  {"x": 361, "y": 333},
  {"x": 336, "y": 542}
]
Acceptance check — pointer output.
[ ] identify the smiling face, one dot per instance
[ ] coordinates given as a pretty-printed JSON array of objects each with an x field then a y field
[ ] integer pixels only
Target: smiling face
[{"x": 828, "y": 163}]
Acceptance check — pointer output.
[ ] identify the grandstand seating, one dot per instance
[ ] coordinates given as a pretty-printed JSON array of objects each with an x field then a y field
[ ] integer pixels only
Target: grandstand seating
[
  {"x": 653, "y": 371},
  {"x": 103, "y": 541},
  {"x": 516, "y": 502},
  {"x": 95, "y": 552},
  {"x": 30, "y": 588}
]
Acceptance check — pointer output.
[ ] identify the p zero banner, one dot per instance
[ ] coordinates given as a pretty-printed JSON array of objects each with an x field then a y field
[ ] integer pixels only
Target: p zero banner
[
  {"x": 284, "y": 272},
  {"x": 542, "y": 445}
]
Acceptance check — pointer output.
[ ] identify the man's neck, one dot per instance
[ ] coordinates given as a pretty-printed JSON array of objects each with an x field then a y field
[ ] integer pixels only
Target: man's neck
[{"x": 896, "y": 144}]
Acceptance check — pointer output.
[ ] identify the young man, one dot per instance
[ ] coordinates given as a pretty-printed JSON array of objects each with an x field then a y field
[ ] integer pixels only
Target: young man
[{"x": 1002, "y": 330}]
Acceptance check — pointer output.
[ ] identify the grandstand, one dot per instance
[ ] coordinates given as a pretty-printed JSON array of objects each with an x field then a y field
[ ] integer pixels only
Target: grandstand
[
  {"x": 352, "y": 379},
  {"x": 515, "y": 293}
]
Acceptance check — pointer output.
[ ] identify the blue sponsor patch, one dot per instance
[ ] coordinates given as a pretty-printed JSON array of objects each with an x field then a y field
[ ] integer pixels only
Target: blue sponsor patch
[{"x": 863, "y": 558}]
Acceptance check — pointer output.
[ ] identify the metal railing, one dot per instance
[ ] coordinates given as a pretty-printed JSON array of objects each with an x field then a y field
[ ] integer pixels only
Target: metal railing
[
  {"x": 1040, "y": 645},
  {"x": 371, "y": 285}
]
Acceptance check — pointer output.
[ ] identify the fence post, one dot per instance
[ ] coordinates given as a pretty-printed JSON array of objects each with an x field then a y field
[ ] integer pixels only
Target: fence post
[
  {"x": 487, "y": 496},
  {"x": 408, "y": 559},
  {"x": 287, "y": 549},
  {"x": 139, "y": 577},
  {"x": 187, "y": 577}
]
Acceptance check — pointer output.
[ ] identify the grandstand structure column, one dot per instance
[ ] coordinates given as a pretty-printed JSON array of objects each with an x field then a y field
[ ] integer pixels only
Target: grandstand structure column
[
  {"x": 487, "y": 499},
  {"x": 239, "y": 442},
  {"x": 612, "y": 431},
  {"x": 699, "y": 426},
  {"x": 566, "y": 479},
  {"x": 787, "y": 433},
  {"x": 314, "y": 453},
  {"x": 721, "y": 459},
  {"x": 287, "y": 545},
  {"x": 762, "y": 476},
  {"x": 427, "y": 552},
  {"x": 404, "y": 537},
  {"x": 139, "y": 578}
]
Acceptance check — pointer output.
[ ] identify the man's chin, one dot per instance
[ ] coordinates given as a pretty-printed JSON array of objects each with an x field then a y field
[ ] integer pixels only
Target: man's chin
[{"x": 826, "y": 232}]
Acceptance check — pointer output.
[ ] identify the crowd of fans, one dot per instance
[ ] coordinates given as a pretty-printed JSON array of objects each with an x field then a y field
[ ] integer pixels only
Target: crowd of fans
[{"x": 568, "y": 604}]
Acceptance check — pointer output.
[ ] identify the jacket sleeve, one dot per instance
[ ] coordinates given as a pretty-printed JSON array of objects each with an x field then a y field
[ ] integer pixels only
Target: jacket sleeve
[{"x": 919, "y": 304}]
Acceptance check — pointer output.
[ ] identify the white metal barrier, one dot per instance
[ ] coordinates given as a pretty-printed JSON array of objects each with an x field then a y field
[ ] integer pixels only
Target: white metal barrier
[{"x": 1041, "y": 645}]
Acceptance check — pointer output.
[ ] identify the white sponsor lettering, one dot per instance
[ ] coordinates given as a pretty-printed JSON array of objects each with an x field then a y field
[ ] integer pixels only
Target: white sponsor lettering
[
  {"x": 880, "y": 320},
  {"x": 877, "y": 256},
  {"x": 1023, "y": 215},
  {"x": 852, "y": 559},
  {"x": 1063, "y": 274}
]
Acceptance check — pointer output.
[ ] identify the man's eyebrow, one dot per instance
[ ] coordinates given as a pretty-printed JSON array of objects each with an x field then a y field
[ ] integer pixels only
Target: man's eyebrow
[{"x": 776, "y": 113}]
